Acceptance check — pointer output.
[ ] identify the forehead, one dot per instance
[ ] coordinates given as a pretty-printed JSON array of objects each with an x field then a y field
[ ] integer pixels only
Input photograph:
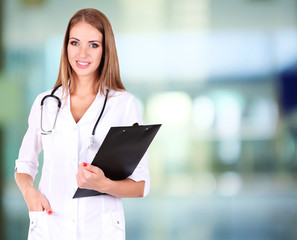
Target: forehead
[{"x": 84, "y": 30}]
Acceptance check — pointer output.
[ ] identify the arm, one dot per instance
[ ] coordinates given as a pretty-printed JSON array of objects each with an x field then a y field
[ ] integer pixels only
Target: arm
[
  {"x": 137, "y": 184},
  {"x": 34, "y": 199},
  {"x": 27, "y": 163},
  {"x": 129, "y": 116},
  {"x": 91, "y": 177}
]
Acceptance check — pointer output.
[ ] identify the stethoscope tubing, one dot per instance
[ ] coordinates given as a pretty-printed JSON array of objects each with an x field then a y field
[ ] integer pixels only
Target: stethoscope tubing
[
  {"x": 104, "y": 104},
  {"x": 53, "y": 96},
  {"x": 45, "y": 132}
]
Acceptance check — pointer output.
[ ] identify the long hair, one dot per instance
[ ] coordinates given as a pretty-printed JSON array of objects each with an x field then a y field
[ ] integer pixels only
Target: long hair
[{"x": 108, "y": 70}]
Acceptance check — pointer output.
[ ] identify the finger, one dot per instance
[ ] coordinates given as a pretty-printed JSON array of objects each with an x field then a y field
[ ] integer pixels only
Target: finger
[
  {"x": 36, "y": 208},
  {"x": 46, "y": 206},
  {"x": 91, "y": 168},
  {"x": 83, "y": 173},
  {"x": 80, "y": 179},
  {"x": 82, "y": 176},
  {"x": 80, "y": 171}
]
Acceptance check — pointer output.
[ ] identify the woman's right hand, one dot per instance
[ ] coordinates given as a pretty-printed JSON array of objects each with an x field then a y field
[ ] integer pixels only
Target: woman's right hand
[{"x": 37, "y": 201}]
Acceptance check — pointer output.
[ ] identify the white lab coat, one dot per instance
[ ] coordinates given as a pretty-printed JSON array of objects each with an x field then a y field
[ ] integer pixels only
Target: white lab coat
[{"x": 99, "y": 217}]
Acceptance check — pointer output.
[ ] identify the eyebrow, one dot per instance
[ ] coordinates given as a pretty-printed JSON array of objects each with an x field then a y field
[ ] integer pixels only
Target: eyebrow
[{"x": 89, "y": 41}]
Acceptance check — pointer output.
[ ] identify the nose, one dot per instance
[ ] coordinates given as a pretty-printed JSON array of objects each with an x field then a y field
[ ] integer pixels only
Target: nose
[{"x": 83, "y": 52}]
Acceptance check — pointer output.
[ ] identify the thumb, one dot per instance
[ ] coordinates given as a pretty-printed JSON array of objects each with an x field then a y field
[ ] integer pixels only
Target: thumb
[
  {"x": 90, "y": 167},
  {"x": 46, "y": 206}
]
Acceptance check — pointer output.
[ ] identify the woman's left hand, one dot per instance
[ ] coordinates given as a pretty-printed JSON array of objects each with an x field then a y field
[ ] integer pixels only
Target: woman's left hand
[{"x": 91, "y": 177}]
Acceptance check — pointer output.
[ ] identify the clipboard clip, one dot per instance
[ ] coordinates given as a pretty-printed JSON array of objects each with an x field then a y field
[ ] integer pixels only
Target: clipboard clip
[{"x": 137, "y": 125}]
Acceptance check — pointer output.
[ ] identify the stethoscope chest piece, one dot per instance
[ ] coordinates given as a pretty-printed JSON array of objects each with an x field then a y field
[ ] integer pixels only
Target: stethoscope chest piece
[{"x": 91, "y": 142}]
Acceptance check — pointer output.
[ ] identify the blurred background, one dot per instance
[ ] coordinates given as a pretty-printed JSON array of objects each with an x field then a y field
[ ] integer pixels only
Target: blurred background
[{"x": 220, "y": 75}]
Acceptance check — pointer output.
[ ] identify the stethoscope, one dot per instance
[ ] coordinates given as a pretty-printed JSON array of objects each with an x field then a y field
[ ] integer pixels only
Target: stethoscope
[{"x": 47, "y": 132}]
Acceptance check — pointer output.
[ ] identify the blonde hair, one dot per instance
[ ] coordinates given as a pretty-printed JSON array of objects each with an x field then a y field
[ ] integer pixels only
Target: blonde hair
[{"x": 108, "y": 70}]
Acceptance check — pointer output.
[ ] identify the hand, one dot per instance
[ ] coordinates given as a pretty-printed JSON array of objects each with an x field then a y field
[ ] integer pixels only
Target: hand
[
  {"x": 37, "y": 201},
  {"x": 91, "y": 177}
]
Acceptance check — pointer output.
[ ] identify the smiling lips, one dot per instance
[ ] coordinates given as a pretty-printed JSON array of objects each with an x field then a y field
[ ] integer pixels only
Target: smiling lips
[{"x": 82, "y": 65}]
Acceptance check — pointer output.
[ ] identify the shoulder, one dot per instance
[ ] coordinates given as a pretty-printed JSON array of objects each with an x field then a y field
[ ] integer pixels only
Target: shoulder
[
  {"x": 122, "y": 96},
  {"x": 123, "y": 101},
  {"x": 125, "y": 107}
]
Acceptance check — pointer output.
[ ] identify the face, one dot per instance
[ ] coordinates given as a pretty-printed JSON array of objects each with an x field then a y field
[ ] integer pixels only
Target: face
[{"x": 85, "y": 50}]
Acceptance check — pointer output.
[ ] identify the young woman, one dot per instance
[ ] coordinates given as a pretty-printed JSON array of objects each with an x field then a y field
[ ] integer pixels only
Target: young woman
[{"x": 88, "y": 84}]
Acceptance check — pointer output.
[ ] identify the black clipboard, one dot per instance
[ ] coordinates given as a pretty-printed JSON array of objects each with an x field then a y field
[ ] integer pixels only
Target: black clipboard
[{"x": 121, "y": 152}]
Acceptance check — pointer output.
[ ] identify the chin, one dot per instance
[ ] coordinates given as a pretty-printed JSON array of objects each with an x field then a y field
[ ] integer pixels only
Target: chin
[{"x": 85, "y": 74}]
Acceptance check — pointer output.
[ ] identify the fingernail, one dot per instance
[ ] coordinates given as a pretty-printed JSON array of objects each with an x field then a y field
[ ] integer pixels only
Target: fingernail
[
  {"x": 84, "y": 164},
  {"x": 50, "y": 212}
]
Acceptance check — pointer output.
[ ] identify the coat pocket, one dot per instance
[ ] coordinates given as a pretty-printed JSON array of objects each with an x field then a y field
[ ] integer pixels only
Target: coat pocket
[
  {"x": 38, "y": 226},
  {"x": 114, "y": 226}
]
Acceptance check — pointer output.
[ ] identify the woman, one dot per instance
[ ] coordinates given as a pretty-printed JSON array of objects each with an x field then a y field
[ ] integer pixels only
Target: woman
[{"x": 89, "y": 73}]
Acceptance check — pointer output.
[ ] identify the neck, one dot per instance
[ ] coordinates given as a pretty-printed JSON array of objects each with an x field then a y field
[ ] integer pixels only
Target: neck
[{"x": 84, "y": 85}]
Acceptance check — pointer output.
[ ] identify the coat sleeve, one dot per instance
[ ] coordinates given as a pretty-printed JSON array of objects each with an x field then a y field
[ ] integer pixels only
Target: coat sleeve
[
  {"x": 27, "y": 161},
  {"x": 141, "y": 173}
]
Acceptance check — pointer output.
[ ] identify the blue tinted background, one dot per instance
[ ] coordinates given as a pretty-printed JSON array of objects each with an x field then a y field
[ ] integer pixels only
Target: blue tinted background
[{"x": 220, "y": 75}]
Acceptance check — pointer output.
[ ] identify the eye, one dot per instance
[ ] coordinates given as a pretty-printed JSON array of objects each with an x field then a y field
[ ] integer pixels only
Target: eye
[
  {"x": 74, "y": 43},
  {"x": 94, "y": 45}
]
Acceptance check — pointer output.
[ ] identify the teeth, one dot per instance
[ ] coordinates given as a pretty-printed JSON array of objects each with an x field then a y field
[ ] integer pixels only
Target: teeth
[{"x": 84, "y": 64}]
